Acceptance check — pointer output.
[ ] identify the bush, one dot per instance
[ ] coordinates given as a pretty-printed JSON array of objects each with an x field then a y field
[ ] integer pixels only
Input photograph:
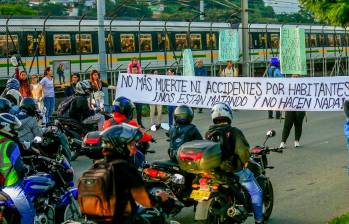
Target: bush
[{"x": 344, "y": 219}]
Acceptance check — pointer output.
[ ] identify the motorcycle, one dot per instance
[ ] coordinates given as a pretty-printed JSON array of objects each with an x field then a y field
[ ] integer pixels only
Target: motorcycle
[
  {"x": 220, "y": 197},
  {"x": 49, "y": 184}
]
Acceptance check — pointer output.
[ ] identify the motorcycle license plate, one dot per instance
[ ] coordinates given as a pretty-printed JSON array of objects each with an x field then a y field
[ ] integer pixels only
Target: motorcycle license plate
[{"x": 200, "y": 194}]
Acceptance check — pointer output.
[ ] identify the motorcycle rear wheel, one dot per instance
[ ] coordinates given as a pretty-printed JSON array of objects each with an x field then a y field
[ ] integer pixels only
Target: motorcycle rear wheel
[
  {"x": 67, "y": 212},
  {"x": 268, "y": 200}
]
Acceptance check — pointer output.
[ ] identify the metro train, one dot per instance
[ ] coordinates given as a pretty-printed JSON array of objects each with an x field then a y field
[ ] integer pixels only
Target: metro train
[{"x": 157, "y": 44}]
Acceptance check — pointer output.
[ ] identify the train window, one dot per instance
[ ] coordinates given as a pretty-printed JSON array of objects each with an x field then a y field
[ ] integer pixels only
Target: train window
[
  {"x": 181, "y": 41},
  {"x": 110, "y": 42},
  {"x": 195, "y": 41},
  {"x": 127, "y": 42},
  {"x": 211, "y": 39},
  {"x": 31, "y": 41},
  {"x": 146, "y": 42},
  {"x": 274, "y": 40},
  {"x": 62, "y": 43},
  {"x": 12, "y": 44},
  {"x": 338, "y": 40},
  {"x": 306, "y": 40},
  {"x": 163, "y": 40},
  {"x": 322, "y": 40},
  {"x": 313, "y": 40},
  {"x": 262, "y": 40},
  {"x": 86, "y": 43},
  {"x": 330, "y": 39},
  {"x": 250, "y": 43}
]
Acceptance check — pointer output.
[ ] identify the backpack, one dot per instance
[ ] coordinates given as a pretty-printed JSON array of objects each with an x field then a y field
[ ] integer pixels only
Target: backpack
[
  {"x": 63, "y": 108},
  {"x": 97, "y": 191},
  {"x": 178, "y": 136}
]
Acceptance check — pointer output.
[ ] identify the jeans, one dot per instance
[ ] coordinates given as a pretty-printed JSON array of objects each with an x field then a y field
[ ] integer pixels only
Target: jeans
[
  {"x": 248, "y": 181},
  {"x": 170, "y": 110},
  {"x": 49, "y": 103},
  {"x": 97, "y": 118},
  {"x": 23, "y": 205}
]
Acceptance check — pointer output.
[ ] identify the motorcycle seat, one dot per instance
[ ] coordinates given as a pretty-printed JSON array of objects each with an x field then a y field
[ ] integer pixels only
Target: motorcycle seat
[{"x": 165, "y": 164}]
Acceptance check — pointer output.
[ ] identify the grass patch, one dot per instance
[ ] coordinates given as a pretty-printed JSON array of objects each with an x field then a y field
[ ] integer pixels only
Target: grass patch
[{"x": 344, "y": 219}]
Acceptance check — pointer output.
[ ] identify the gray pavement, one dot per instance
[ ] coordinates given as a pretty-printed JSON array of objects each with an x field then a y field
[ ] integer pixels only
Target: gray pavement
[{"x": 311, "y": 185}]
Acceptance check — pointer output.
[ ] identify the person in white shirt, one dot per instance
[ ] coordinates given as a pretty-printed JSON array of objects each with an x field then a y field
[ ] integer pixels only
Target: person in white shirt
[{"x": 229, "y": 71}]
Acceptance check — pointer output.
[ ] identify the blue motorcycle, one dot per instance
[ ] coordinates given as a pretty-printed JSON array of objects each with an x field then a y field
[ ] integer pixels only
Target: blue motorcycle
[{"x": 51, "y": 189}]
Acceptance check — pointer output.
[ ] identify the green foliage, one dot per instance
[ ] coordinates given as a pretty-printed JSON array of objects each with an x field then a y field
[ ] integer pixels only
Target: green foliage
[
  {"x": 51, "y": 9},
  {"x": 344, "y": 219},
  {"x": 16, "y": 9},
  {"x": 303, "y": 16},
  {"x": 334, "y": 12}
]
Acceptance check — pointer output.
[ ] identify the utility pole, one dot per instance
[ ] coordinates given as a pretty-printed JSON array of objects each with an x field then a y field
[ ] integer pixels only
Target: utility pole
[
  {"x": 101, "y": 44},
  {"x": 245, "y": 38},
  {"x": 202, "y": 10}
]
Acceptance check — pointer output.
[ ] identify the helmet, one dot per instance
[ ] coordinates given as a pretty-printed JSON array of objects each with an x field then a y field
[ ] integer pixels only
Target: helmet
[
  {"x": 29, "y": 105},
  {"x": 117, "y": 137},
  {"x": 5, "y": 105},
  {"x": 221, "y": 112},
  {"x": 9, "y": 122},
  {"x": 183, "y": 115},
  {"x": 83, "y": 87},
  {"x": 274, "y": 61},
  {"x": 14, "y": 96},
  {"x": 346, "y": 108},
  {"x": 12, "y": 83},
  {"x": 124, "y": 106}
]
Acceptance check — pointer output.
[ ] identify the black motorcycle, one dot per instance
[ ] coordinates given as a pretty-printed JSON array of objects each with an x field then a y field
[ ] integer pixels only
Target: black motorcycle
[{"x": 220, "y": 197}]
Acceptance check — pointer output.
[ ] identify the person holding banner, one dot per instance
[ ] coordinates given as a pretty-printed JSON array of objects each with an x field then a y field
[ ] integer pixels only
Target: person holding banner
[
  {"x": 134, "y": 62},
  {"x": 274, "y": 72},
  {"x": 200, "y": 70},
  {"x": 292, "y": 118},
  {"x": 170, "y": 109},
  {"x": 229, "y": 71},
  {"x": 155, "y": 120},
  {"x": 139, "y": 107},
  {"x": 346, "y": 127}
]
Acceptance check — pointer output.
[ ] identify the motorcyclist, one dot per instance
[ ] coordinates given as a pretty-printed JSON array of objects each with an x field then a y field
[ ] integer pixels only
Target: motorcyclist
[
  {"x": 5, "y": 105},
  {"x": 11, "y": 83},
  {"x": 119, "y": 142},
  {"x": 183, "y": 131},
  {"x": 235, "y": 150},
  {"x": 29, "y": 128},
  {"x": 346, "y": 125},
  {"x": 12, "y": 168},
  {"x": 15, "y": 97},
  {"x": 81, "y": 109}
]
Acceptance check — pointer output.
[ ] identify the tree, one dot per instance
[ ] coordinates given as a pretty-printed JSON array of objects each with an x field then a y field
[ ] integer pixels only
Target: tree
[
  {"x": 303, "y": 16},
  {"x": 17, "y": 10},
  {"x": 51, "y": 9},
  {"x": 334, "y": 12}
]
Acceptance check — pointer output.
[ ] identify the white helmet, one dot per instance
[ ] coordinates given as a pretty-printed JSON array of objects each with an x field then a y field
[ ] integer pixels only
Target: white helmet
[
  {"x": 83, "y": 87},
  {"x": 221, "y": 112},
  {"x": 15, "y": 95},
  {"x": 9, "y": 122}
]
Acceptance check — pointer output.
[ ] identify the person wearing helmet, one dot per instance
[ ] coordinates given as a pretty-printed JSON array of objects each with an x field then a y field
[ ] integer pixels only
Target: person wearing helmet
[
  {"x": 119, "y": 143},
  {"x": 81, "y": 108},
  {"x": 123, "y": 110},
  {"x": 346, "y": 125},
  {"x": 27, "y": 115},
  {"x": 12, "y": 168},
  {"x": 235, "y": 154},
  {"x": 5, "y": 105},
  {"x": 15, "y": 97},
  {"x": 274, "y": 72},
  {"x": 11, "y": 83},
  {"x": 183, "y": 131}
]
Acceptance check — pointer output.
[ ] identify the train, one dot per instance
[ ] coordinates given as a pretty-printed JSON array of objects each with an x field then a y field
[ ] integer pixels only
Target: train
[{"x": 42, "y": 42}]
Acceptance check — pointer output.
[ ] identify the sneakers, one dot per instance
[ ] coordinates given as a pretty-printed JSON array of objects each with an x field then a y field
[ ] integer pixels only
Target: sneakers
[
  {"x": 282, "y": 145},
  {"x": 296, "y": 144}
]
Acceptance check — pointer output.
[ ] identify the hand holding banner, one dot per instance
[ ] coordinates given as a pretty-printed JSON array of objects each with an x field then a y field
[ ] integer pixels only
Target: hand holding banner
[
  {"x": 229, "y": 45},
  {"x": 292, "y": 51},
  {"x": 188, "y": 63}
]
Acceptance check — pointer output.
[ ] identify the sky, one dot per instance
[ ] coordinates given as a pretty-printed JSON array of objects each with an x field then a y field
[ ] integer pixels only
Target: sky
[{"x": 281, "y": 6}]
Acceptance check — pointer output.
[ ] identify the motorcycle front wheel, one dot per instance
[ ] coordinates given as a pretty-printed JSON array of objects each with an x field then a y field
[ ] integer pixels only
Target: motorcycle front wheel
[
  {"x": 268, "y": 200},
  {"x": 68, "y": 212}
]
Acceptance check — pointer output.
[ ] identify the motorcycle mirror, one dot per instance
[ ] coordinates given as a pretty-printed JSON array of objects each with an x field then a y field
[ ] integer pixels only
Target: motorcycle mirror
[
  {"x": 271, "y": 133},
  {"x": 165, "y": 126},
  {"x": 153, "y": 128},
  {"x": 14, "y": 61},
  {"x": 37, "y": 139}
]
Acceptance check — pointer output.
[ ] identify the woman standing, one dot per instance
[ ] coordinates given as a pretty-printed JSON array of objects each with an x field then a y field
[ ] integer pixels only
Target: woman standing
[
  {"x": 292, "y": 118},
  {"x": 49, "y": 93},
  {"x": 37, "y": 92},
  {"x": 155, "y": 120},
  {"x": 24, "y": 87},
  {"x": 170, "y": 109},
  {"x": 97, "y": 85}
]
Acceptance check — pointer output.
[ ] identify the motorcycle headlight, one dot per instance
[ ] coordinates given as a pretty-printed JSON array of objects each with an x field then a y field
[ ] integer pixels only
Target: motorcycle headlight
[{"x": 178, "y": 179}]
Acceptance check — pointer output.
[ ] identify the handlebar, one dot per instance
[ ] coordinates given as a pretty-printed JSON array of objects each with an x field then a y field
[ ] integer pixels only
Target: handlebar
[{"x": 263, "y": 150}]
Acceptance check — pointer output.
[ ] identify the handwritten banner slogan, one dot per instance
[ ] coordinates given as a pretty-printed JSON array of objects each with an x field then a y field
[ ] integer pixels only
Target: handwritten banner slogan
[
  {"x": 293, "y": 94},
  {"x": 292, "y": 51},
  {"x": 229, "y": 45}
]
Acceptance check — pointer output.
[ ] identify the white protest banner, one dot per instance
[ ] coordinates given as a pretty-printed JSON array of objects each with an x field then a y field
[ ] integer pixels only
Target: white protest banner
[
  {"x": 246, "y": 93},
  {"x": 229, "y": 45},
  {"x": 188, "y": 63},
  {"x": 292, "y": 51}
]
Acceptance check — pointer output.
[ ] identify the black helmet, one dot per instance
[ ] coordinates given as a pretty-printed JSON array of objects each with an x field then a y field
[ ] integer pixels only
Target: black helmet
[
  {"x": 346, "y": 108},
  {"x": 5, "y": 105},
  {"x": 124, "y": 106},
  {"x": 183, "y": 115},
  {"x": 29, "y": 105},
  {"x": 116, "y": 138}
]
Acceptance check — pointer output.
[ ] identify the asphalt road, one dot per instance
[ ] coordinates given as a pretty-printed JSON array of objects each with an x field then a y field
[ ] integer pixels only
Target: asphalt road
[{"x": 310, "y": 183}]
